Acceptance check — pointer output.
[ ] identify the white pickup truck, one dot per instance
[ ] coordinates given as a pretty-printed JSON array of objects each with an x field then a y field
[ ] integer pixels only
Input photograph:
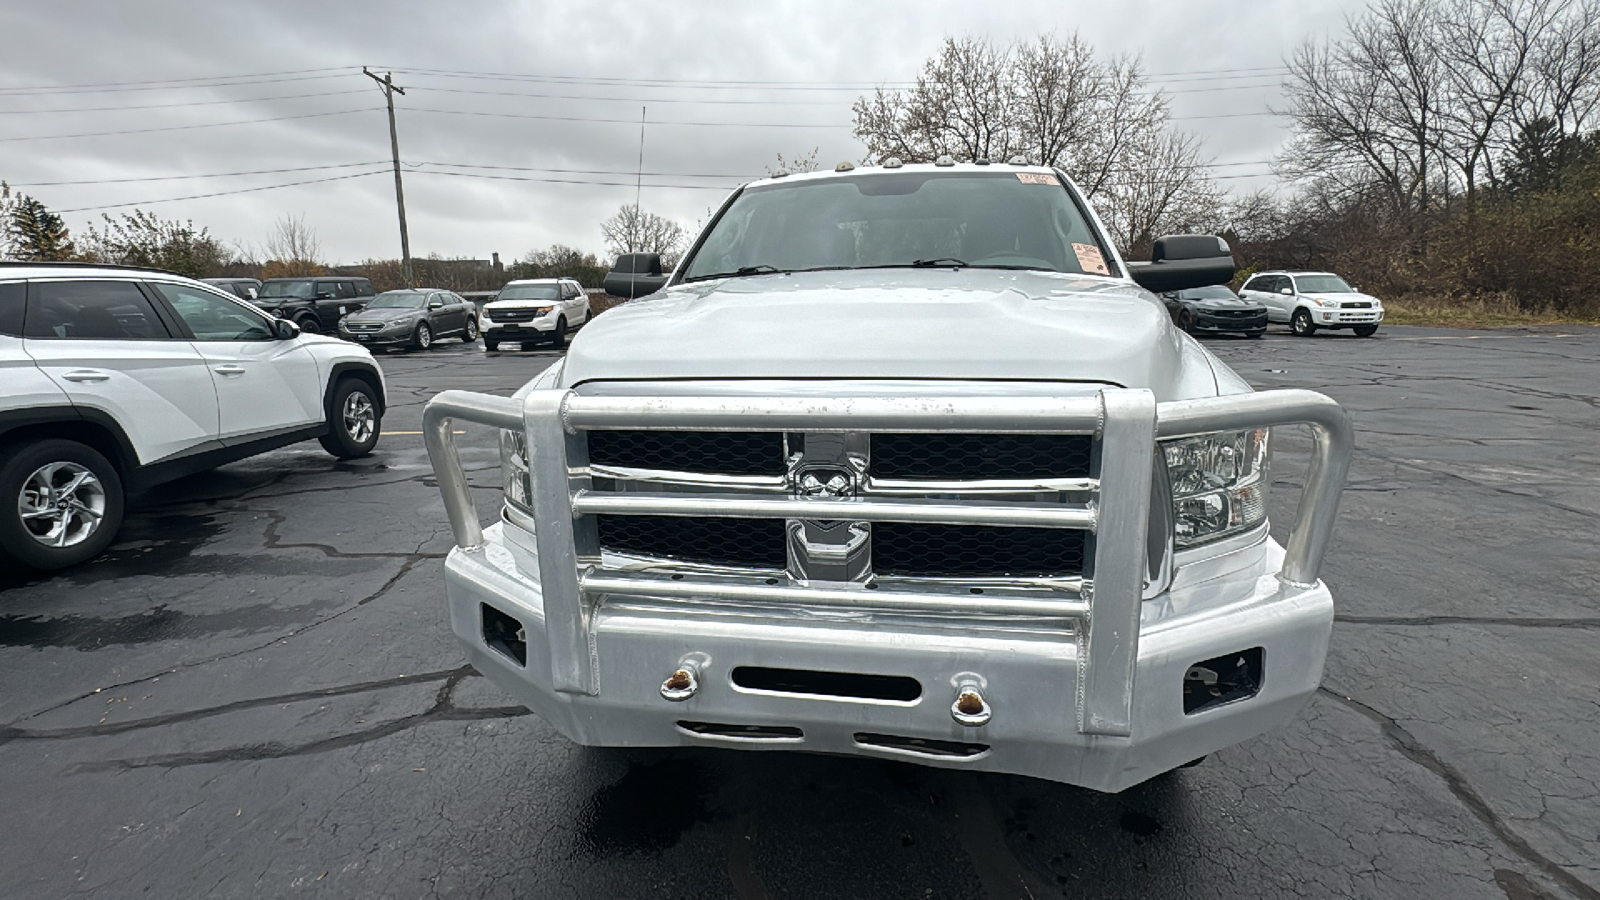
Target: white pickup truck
[{"x": 904, "y": 461}]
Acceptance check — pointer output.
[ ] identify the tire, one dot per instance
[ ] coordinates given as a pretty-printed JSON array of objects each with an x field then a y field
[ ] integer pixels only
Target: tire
[
  {"x": 422, "y": 339},
  {"x": 354, "y": 420},
  {"x": 471, "y": 334},
  {"x": 1255, "y": 334},
  {"x": 309, "y": 325},
  {"x": 490, "y": 344},
  {"x": 1300, "y": 323},
  {"x": 83, "y": 536},
  {"x": 1366, "y": 330},
  {"x": 558, "y": 337},
  {"x": 1186, "y": 321}
]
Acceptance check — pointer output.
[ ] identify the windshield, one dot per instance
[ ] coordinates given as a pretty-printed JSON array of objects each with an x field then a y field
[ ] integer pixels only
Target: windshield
[
  {"x": 529, "y": 292},
  {"x": 399, "y": 300},
  {"x": 1215, "y": 292},
  {"x": 1322, "y": 284},
  {"x": 286, "y": 289},
  {"x": 1019, "y": 220}
]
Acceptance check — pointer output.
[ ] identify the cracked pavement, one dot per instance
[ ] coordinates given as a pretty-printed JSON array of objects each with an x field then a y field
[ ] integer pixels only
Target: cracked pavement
[{"x": 256, "y": 693}]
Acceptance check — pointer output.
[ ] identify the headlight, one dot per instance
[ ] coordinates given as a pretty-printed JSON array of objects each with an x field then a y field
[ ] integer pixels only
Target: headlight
[
  {"x": 1219, "y": 484},
  {"x": 514, "y": 469},
  {"x": 396, "y": 324}
]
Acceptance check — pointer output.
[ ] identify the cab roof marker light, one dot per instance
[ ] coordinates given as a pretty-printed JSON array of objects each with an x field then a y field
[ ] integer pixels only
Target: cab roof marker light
[
  {"x": 845, "y": 166},
  {"x": 1019, "y": 160},
  {"x": 892, "y": 162},
  {"x": 945, "y": 161}
]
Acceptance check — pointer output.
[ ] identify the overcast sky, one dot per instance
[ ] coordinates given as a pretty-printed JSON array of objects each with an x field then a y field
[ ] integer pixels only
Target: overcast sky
[{"x": 74, "y": 70}]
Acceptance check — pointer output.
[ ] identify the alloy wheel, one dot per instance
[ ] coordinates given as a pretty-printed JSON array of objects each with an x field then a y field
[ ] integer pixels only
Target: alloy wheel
[
  {"x": 360, "y": 417},
  {"x": 61, "y": 504}
]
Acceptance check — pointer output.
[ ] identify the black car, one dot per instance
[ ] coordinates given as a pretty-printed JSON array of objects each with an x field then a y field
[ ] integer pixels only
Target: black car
[
  {"x": 243, "y": 288},
  {"x": 1215, "y": 310},
  {"x": 315, "y": 304},
  {"x": 412, "y": 318}
]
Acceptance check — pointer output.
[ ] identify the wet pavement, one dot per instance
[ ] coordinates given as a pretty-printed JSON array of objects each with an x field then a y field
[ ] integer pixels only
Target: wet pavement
[{"x": 256, "y": 694}]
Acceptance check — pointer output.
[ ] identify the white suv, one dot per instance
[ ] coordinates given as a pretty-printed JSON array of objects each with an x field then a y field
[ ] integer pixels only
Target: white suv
[
  {"x": 534, "y": 309},
  {"x": 1312, "y": 300},
  {"x": 117, "y": 379}
]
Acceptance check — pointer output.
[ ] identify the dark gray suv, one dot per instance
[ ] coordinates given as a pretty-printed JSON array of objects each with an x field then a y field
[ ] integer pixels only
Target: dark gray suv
[{"x": 315, "y": 304}]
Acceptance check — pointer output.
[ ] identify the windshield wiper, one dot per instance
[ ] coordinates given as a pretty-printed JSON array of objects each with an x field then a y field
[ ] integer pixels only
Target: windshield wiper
[
  {"x": 938, "y": 261},
  {"x": 758, "y": 269}
]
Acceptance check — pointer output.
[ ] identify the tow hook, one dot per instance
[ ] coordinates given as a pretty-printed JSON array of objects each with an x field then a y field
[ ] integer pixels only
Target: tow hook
[
  {"x": 683, "y": 683},
  {"x": 969, "y": 708}
]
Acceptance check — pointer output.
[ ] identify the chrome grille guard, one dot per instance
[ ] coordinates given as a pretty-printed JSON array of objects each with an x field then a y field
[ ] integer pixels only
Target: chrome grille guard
[{"x": 1105, "y": 612}]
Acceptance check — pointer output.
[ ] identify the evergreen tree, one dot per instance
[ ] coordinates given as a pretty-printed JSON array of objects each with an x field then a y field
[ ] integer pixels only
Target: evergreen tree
[{"x": 37, "y": 234}]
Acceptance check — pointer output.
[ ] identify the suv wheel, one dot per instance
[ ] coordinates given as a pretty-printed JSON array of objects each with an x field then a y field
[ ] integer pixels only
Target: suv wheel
[
  {"x": 491, "y": 344},
  {"x": 60, "y": 503},
  {"x": 423, "y": 339},
  {"x": 471, "y": 334},
  {"x": 1366, "y": 330},
  {"x": 1300, "y": 323},
  {"x": 558, "y": 337},
  {"x": 309, "y": 325},
  {"x": 353, "y": 420}
]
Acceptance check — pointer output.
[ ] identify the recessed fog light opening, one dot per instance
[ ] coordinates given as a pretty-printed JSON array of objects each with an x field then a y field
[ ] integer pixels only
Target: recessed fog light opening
[
  {"x": 504, "y": 635},
  {"x": 809, "y": 682},
  {"x": 773, "y": 733},
  {"x": 921, "y": 746},
  {"x": 1225, "y": 679}
]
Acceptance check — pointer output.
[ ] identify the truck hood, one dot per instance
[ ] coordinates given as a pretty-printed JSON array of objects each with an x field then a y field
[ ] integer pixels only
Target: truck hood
[{"x": 972, "y": 324}]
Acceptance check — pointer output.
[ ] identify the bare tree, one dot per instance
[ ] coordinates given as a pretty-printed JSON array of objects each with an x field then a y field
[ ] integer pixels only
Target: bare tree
[
  {"x": 1053, "y": 102},
  {"x": 796, "y": 164},
  {"x": 294, "y": 247},
  {"x": 632, "y": 230},
  {"x": 8, "y": 205}
]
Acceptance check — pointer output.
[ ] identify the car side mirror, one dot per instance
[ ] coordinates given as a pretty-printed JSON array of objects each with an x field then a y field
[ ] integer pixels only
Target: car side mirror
[
  {"x": 1181, "y": 261},
  {"x": 1287, "y": 292},
  {"x": 285, "y": 330},
  {"x": 635, "y": 275},
  {"x": 435, "y": 304}
]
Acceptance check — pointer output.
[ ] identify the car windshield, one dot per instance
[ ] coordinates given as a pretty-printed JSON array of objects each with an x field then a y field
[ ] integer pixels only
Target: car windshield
[
  {"x": 286, "y": 289},
  {"x": 1001, "y": 219},
  {"x": 1322, "y": 284},
  {"x": 1215, "y": 292},
  {"x": 399, "y": 300},
  {"x": 529, "y": 292}
]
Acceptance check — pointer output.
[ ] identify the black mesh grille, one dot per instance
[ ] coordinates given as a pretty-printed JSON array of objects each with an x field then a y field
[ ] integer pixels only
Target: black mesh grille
[
  {"x": 514, "y": 315},
  {"x": 716, "y": 452},
  {"x": 969, "y": 457},
  {"x": 974, "y": 551},
  {"x": 755, "y": 543}
]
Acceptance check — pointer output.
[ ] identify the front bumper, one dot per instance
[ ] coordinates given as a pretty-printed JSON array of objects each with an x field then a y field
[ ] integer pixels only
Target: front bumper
[
  {"x": 1336, "y": 318},
  {"x": 1205, "y": 320},
  {"x": 375, "y": 338},
  {"x": 1029, "y": 672}
]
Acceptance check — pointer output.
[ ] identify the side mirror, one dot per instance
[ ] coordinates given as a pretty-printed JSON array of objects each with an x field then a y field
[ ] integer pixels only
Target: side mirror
[
  {"x": 1287, "y": 292},
  {"x": 1182, "y": 261},
  {"x": 635, "y": 275},
  {"x": 435, "y": 304},
  {"x": 285, "y": 330}
]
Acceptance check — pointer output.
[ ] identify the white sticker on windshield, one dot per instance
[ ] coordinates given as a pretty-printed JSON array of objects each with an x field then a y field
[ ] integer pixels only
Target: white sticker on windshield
[
  {"x": 1090, "y": 260},
  {"x": 1038, "y": 178}
]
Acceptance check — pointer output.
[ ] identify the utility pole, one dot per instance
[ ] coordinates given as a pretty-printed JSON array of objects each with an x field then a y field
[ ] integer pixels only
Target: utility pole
[
  {"x": 389, "y": 90},
  {"x": 638, "y": 182}
]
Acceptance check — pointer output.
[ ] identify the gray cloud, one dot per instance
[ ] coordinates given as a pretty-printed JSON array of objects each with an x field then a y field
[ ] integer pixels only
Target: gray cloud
[{"x": 787, "y": 44}]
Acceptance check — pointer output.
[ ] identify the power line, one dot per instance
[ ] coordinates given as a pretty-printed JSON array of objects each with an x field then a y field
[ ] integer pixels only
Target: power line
[
  {"x": 268, "y": 187},
  {"x": 47, "y": 87},
  {"x": 182, "y": 177},
  {"x": 688, "y": 187},
  {"x": 12, "y": 92},
  {"x": 78, "y": 109},
  {"x": 49, "y": 137},
  {"x": 585, "y": 171},
  {"x": 494, "y": 115}
]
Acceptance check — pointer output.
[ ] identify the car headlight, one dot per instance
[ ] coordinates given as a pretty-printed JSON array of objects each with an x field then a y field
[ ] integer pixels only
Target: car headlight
[
  {"x": 1219, "y": 484},
  {"x": 514, "y": 469}
]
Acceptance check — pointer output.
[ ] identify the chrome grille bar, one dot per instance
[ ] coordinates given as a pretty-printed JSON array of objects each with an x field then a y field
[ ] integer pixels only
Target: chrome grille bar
[
  {"x": 846, "y": 597},
  {"x": 941, "y": 512},
  {"x": 992, "y": 415}
]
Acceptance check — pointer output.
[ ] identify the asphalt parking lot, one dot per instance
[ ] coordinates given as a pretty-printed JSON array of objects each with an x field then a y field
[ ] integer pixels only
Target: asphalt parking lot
[{"x": 255, "y": 693}]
